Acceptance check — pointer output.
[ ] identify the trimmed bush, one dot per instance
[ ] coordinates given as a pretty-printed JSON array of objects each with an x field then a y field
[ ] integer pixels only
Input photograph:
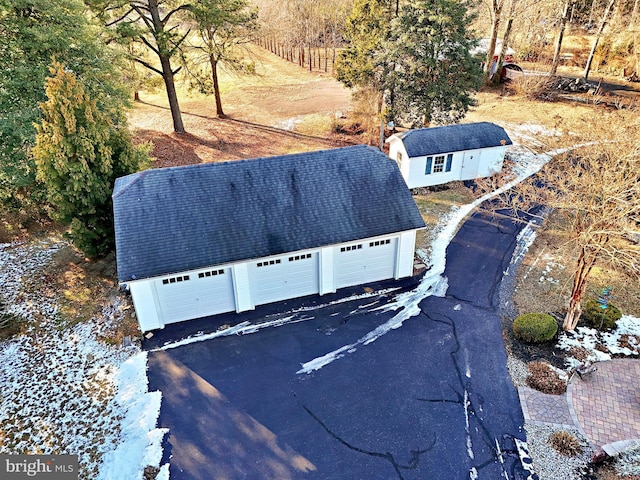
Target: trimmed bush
[
  {"x": 535, "y": 327},
  {"x": 600, "y": 318}
]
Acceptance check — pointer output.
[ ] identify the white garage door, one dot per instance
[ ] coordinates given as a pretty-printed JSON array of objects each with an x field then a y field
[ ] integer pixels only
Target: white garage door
[
  {"x": 365, "y": 262},
  {"x": 284, "y": 277},
  {"x": 198, "y": 294}
]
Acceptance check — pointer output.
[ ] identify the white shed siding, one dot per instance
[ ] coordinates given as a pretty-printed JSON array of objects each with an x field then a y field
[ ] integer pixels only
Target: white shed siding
[
  {"x": 398, "y": 153},
  {"x": 470, "y": 164},
  {"x": 466, "y": 164}
]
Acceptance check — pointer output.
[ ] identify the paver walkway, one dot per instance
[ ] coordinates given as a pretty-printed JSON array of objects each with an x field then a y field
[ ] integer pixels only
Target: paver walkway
[{"x": 604, "y": 406}]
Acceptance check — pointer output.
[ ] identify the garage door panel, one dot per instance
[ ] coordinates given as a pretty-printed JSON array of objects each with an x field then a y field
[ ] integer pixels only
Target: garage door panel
[
  {"x": 215, "y": 292},
  {"x": 303, "y": 274},
  {"x": 365, "y": 262},
  {"x": 381, "y": 260},
  {"x": 185, "y": 297},
  {"x": 286, "y": 277}
]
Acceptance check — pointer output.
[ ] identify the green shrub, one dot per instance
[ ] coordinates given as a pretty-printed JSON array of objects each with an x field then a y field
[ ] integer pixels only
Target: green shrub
[
  {"x": 535, "y": 327},
  {"x": 600, "y": 318}
]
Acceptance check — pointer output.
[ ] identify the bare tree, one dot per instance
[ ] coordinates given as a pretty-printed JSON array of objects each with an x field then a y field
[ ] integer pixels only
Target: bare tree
[
  {"x": 153, "y": 24},
  {"x": 495, "y": 9},
  {"x": 603, "y": 23},
  {"x": 224, "y": 27},
  {"x": 593, "y": 192},
  {"x": 563, "y": 24},
  {"x": 506, "y": 38}
]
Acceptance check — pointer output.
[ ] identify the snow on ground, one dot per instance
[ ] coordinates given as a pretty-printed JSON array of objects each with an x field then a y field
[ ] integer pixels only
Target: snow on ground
[
  {"x": 62, "y": 390},
  {"x": 601, "y": 346}
]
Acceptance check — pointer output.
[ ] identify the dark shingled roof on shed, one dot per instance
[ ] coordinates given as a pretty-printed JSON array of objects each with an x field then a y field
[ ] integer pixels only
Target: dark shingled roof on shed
[
  {"x": 453, "y": 138},
  {"x": 170, "y": 220}
]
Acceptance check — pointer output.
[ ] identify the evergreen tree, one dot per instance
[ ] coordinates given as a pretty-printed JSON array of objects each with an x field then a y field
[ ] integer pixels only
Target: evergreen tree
[
  {"x": 79, "y": 152},
  {"x": 31, "y": 33},
  {"x": 434, "y": 75},
  {"x": 366, "y": 28}
]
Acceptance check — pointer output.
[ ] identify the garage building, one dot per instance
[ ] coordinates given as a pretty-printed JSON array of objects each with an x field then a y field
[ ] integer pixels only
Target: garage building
[{"x": 204, "y": 239}]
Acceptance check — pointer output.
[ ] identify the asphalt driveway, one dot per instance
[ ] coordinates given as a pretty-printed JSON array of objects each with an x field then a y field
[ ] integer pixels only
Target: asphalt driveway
[{"x": 429, "y": 400}]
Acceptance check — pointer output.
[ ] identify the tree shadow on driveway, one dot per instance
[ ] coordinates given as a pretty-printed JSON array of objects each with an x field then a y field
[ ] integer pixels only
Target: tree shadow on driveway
[{"x": 216, "y": 440}]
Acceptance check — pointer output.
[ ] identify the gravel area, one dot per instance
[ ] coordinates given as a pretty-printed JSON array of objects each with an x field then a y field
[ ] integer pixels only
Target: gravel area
[{"x": 550, "y": 464}]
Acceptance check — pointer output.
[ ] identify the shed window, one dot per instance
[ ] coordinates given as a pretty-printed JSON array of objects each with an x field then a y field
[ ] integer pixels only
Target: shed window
[
  {"x": 399, "y": 157},
  {"x": 449, "y": 162},
  {"x": 349, "y": 248},
  {"x": 427, "y": 170},
  {"x": 438, "y": 164}
]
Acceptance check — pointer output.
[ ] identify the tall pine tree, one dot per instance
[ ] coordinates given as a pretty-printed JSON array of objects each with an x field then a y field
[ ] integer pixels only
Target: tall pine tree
[
  {"x": 31, "y": 33},
  {"x": 434, "y": 74},
  {"x": 79, "y": 152}
]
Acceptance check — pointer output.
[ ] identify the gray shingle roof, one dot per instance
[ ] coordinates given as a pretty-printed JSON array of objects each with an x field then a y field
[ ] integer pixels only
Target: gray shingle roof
[
  {"x": 453, "y": 138},
  {"x": 175, "y": 219}
]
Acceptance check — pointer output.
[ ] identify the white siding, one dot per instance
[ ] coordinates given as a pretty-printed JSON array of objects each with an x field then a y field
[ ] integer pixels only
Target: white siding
[
  {"x": 327, "y": 271},
  {"x": 465, "y": 165},
  {"x": 241, "y": 286},
  {"x": 404, "y": 257},
  {"x": 144, "y": 302}
]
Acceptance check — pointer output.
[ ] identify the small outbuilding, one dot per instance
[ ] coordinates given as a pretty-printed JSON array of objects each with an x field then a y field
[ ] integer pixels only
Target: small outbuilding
[
  {"x": 433, "y": 156},
  {"x": 204, "y": 239}
]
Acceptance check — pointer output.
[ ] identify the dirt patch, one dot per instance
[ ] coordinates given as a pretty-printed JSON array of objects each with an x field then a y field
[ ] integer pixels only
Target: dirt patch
[{"x": 261, "y": 114}]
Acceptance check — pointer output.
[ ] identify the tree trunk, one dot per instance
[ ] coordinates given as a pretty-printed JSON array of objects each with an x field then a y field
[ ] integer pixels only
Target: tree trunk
[
  {"x": 382, "y": 119},
  {"x": 505, "y": 40},
  {"x": 595, "y": 43},
  {"x": 168, "y": 77},
  {"x": 216, "y": 86},
  {"x": 495, "y": 25},
  {"x": 563, "y": 25},
  {"x": 505, "y": 43},
  {"x": 333, "y": 59},
  {"x": 326, "y": 59},
  {"x": 583, "y": 269}
]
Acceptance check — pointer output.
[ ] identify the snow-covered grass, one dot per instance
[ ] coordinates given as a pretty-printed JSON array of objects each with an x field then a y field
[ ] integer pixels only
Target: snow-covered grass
[
  {"x": 63, "y": 390},
  {"x": 598, "y": 346}
]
